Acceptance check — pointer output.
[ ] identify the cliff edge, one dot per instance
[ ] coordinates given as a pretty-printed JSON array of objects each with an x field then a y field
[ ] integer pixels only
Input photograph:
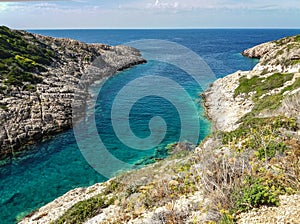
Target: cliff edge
[
  {"x": 264, "y": 90},
  {"x": 39, "y": 76}
]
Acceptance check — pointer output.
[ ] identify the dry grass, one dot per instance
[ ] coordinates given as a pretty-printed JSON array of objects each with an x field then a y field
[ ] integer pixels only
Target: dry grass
[
  {"x": 265, "y": 159},
  {"x": 221, "y": 172},
  {"x": 291, "y": 105}
]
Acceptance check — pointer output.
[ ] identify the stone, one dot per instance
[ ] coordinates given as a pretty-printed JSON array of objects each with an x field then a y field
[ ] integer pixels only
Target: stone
[{"x": 33, "y": 115}]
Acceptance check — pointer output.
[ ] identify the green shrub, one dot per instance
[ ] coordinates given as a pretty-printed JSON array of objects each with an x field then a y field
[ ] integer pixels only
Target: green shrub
[
  {"x": 271, "y": 149},
  {"x": 84, "y": 210},
  {"x": 112, "y": 186},
  {"x": 247, "y": 85},
  {"x": 295, "y": 85},
  {"x": 16, "y": 77},
  {"x": 20, "y": 56},
  {"x": 227, "y": 217},
  {"x": 256, "y": 193},
  {"x": 3, "y": 107},
  {"x": 269, "y": 102},
  {"x": 29, "y": 87},
  {"x": 262, "y": 85}
]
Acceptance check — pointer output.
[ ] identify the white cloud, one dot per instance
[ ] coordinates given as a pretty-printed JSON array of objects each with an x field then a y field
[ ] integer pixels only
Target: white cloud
[
  {"x": 162, "y": 5},
  {"x": 149, "y": 5},
  {"x": 149, "y": 13},
  {"x": 46, "y": 7},
  {"x": 213, "y": 4},
  {"x": 3, "y": 6}
]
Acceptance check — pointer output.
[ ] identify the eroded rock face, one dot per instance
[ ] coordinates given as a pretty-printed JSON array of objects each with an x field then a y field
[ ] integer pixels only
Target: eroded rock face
[
  {"x": 225, "y": 109},
  {"x": 27, "y": 116},
  {"x": 277, "y": 56},
  {"x": 259, "y": 51},
  {"x": 222, "y": 107},
  {"x": 56, "y": 208}
]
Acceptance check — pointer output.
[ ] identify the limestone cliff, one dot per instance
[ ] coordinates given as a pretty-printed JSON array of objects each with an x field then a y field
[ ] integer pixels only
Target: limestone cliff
[
  {"x": 277, "y": 56},
  {"x": 39, "y": 76},
  {"x": 226, "y": 104}
]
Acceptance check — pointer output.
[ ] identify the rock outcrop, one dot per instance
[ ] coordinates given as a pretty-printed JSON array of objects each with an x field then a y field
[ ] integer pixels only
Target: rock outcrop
[
  {"x": 260, "y": 50},
  {"x": 61, "y": 204},
  {"x": 224, "y": 108},
  {"x": 287, "y": 212},
  {"x": 277, "y": 56},
  {"x": 30, "y": 115}
]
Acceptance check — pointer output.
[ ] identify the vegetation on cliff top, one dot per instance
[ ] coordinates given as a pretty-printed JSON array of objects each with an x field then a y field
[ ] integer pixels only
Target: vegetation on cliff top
[
  {"x": 22, "y": 57},
  {"x": 260, "y": 90},
  {"x": 262, "y": 85},
  {"x": 285, "y": 40},
  {"x": 285, "y": 53}
]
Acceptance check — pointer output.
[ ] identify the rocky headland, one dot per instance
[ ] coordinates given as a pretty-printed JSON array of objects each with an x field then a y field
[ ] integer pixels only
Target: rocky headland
[
  {"x": 246, "y": 171},
  {"x": 39, "y": 78},
  {"x": 226, "y": 104},
  {"x": 277, "y": 56}
]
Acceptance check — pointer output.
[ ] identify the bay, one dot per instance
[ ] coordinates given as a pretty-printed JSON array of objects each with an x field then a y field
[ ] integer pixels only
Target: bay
[{"x": 57, "y": 165}]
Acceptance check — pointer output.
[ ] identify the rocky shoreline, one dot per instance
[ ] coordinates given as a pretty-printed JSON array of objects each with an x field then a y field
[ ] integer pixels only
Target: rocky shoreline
[
  {"x": 222, "y": 108},
  {"x": 276, "y": 56},
  {"x": 56, "y": 208},
  {"x": 28, "y": 116},
  {"x": 189, "y": 189},
  {"x": 225, "y": 109}
]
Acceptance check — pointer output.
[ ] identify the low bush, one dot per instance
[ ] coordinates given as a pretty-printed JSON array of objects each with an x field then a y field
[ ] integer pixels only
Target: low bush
[
  {"x": 21, "y": 57},
  {"x": 262, "y": 85},
  {"x": 252, "y": 166},
  {"x": 84, "y": 210}
]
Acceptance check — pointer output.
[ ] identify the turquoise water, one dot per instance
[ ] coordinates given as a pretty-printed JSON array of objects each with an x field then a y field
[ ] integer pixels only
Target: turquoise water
[{"x": 57, "y": 165}]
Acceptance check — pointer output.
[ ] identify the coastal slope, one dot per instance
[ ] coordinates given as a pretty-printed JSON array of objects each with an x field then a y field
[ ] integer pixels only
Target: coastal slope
[
  {"x": 250, "y": 161},
  {"x": 39, "y": 77},
  {"x": 279, "y": 63}
]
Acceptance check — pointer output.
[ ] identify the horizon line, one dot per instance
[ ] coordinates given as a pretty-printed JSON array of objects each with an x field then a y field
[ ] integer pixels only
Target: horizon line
[{"x": 163, "y": 28}]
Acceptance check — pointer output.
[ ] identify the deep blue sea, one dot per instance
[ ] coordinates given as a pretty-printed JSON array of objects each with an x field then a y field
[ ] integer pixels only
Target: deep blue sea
[{"x": 57, "y": 165}]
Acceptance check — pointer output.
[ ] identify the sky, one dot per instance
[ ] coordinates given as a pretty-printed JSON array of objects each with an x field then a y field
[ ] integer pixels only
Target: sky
[{"x": 61, "y": 14}]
